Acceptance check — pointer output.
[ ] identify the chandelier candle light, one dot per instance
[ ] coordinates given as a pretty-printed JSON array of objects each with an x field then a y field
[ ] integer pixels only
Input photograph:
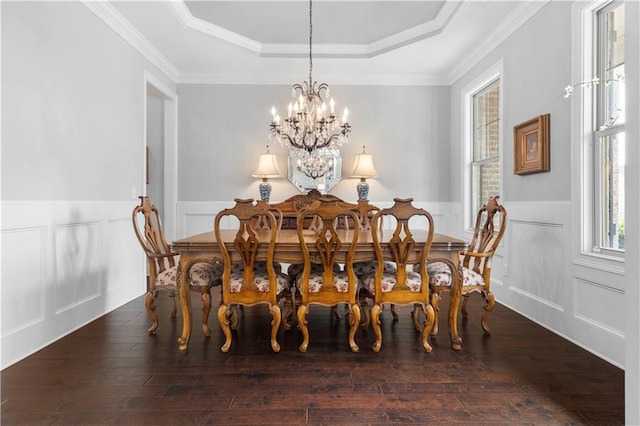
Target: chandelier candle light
[
  {"x": 267, "y": 168},
  {"x": 363, "y": 168},
  {"x": 309, "y": 125}
]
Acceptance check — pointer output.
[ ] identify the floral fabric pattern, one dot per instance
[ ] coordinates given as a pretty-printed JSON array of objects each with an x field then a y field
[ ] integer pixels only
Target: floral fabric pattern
[
  {"x": 201, "y": 274},
  {"x": 440, "y": 276},
  {"x": 260, "y": 279},
  {"x": 340, "y": 282},
  {"x": 414, "y": 282}
]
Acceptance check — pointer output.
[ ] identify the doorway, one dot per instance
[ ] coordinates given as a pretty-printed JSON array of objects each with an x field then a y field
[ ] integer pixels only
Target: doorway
[
  {"x": 154, "y": 152},
  {"x": 160, "y": 154}
]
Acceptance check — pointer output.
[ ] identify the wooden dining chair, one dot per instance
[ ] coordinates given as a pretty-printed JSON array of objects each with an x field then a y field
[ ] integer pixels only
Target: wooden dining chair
[
  {"x": 312, "y": 223},
  {"x": 408, "y": 282},
  {"x": 253, "y": 282},
  {"x": 322, "y": 285},
  {"x": 365, "y": 211},
  {"x": 262, "y": 223},
  {"x": 162, "y": 265},
  {"x": 474, "y": 263}
]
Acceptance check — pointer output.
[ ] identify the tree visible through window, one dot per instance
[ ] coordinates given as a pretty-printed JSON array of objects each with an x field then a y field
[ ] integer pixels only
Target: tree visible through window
[{"x": 485, "y": 162}]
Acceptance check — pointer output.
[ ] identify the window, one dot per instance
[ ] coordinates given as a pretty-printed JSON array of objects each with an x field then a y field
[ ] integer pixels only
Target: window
[
  {"x": 608, "y": 131},
  {"x": 485, "y": 146}
]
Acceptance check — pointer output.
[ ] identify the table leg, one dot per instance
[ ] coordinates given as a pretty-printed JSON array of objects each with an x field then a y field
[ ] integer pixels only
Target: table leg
[{"x": 185, "y": 304}]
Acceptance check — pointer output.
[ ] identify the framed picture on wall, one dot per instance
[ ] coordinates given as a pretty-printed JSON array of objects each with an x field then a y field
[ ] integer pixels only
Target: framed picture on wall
[{"x": 531, "y": 146}]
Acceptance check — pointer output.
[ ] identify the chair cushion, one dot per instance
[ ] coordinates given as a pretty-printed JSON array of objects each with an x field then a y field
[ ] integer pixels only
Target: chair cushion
[
  {"x": 340, "y": 282},
  {"x": 414, "y": 282},
  {"x": 363, "y": 268},
  {"x": 440, "y": 276},
  {"x": 260, "y": 279},
  {"x": 201, "y": 274}
]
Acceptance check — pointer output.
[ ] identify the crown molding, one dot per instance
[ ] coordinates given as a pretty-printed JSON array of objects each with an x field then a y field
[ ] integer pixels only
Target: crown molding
[
  {"x": 184, "y": 15},
  {"x": 284, "y": 50},
  {"x": 110, "y": 16},
  {"x": 509, "y": 25},
  {"x": 368, "y": 79}
]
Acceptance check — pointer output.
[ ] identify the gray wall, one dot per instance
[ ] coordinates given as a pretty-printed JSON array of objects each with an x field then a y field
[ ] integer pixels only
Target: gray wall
[
  {"x": 72, "y": 108},
  {"x": 223, "y": 129},
  {"x": 73, "y": 96},
  {"x": 536, "y": 68}
]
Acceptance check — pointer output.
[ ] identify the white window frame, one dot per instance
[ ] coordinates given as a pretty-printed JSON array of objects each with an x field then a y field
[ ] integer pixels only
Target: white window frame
[
  {"x": 478, "y": 84},
  {"x": 583, "y": 113},
  {"x": 599, "y": 135}
]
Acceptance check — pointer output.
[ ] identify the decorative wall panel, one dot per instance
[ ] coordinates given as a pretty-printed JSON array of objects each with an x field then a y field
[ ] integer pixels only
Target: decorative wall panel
[
  {"x": 537, "y": 252},
  {"x": 63, "y": 265},
  {"x": 23, "y": 272}
]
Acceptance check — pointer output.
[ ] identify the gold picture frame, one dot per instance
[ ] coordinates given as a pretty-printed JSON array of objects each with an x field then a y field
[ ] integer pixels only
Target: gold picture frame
[{"x": 531, "y": 146}]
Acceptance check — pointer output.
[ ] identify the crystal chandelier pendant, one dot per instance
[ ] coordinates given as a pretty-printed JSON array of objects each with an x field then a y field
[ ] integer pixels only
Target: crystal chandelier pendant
[
  {"x": 311, "y": 164},
  {"x": 310, "y": 125}
]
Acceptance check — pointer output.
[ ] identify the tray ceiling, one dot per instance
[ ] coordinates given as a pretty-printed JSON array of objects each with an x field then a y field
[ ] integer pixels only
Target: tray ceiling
[{"x": 354, "y": 42}]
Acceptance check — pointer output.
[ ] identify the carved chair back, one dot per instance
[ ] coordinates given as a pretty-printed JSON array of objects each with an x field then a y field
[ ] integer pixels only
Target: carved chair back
[
  {"x": 408, "y": 281},
  {"x": 489, "y": 229},
  {"x": 249, "y": 285},
  {"x": 328, "y": 249},
  {"x": 148, "y": 229},
  {"x": 248, "y": 241},
  {"x": 322, "y": 281}
]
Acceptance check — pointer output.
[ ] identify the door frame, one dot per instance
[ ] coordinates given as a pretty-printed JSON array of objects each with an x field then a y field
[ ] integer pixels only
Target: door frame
[{"x": 170, "y": 151}]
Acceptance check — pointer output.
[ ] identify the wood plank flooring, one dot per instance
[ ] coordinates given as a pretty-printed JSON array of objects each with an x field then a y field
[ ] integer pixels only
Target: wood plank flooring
[{"x": 112, "y": 372}]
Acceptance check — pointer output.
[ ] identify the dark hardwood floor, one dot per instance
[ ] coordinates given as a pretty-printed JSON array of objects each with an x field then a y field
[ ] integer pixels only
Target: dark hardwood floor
[{"x": 111, "y": 371}]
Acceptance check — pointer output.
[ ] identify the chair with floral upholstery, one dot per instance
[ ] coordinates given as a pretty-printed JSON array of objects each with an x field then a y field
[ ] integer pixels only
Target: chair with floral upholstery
[
  {"x": 402, "y": 285},
  {"x": 252, "y": 282},
  {"x": 365, "y": 212},
  {"x": 262, "y": 223},
  {"x": 475, "y": 262},
  {"x": 162, "y": 265},
  {"x": 321, "y": 284}
]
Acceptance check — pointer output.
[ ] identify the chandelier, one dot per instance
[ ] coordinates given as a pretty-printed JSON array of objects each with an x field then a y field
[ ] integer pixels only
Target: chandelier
[{"x": 309, "y": 126}]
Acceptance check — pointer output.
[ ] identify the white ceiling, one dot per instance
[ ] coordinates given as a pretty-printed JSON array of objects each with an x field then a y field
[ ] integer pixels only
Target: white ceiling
[{"x": 354, "y": 42}]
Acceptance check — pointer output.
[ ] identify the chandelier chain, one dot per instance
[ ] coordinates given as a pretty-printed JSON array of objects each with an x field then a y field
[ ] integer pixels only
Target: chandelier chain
[{"x": 311, "y": 125}]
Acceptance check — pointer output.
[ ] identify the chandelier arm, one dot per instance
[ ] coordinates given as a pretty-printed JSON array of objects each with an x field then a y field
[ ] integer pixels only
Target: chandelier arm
[
  {"x": 291, "y": 141},
  {"x": 310, "y": 126},
  {"x": 327, "y": 141}
]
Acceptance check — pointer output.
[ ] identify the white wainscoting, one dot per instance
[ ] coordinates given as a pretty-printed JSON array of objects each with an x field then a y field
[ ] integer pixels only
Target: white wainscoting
[
  {"x": 64, "y": 264},
  {"x": 535, "y": 274}
]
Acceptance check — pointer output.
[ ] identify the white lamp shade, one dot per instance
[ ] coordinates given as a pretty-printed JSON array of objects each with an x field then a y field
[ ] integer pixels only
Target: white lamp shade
[
  {"x": 267, "y": 167},
  {"x": 363, "y": 166}
]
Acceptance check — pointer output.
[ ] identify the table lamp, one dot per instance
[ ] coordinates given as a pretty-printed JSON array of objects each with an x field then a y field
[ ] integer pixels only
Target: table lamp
[
  {"x": 363, "y": 168},
  {"x": 267, "y": 168}
]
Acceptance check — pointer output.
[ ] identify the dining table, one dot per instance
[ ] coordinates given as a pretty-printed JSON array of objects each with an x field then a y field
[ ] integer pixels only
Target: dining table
[{"x": 204, "y": 247}]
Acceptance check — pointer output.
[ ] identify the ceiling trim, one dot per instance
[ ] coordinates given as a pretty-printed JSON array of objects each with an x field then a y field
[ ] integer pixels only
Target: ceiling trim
[
  {"x": 183, "y": 13},
  {"x": 509, "y": 25},
  {"x": 283, "y": 50},
  {"x": 121, "y": 26},
  {"x": 368, "y": 79}
]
